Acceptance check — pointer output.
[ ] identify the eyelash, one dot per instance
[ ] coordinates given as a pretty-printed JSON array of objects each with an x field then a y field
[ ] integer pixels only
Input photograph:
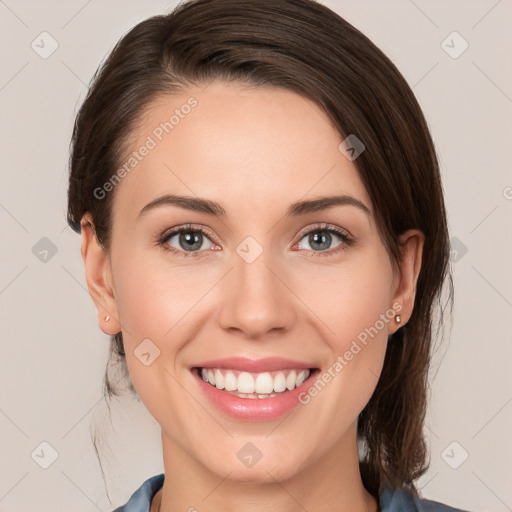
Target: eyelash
[{"x": 346, "y": 238}]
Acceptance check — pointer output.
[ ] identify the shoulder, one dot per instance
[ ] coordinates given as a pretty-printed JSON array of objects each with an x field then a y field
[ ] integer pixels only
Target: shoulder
[
  {"x": 140, "y": 500},
  {"x": 400, "y": 500}
]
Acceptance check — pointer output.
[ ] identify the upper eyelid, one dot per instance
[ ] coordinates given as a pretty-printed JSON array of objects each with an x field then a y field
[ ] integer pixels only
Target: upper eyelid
[{"x": 324, "y": 227}]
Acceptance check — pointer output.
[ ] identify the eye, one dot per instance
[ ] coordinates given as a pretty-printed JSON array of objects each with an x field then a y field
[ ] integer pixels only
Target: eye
[
  {"x": 186, "y": 241},
  {"x": 320, "y": 240}
]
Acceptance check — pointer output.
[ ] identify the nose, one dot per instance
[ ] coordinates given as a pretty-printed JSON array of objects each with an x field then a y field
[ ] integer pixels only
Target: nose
[{"x": 256, "y": 299}]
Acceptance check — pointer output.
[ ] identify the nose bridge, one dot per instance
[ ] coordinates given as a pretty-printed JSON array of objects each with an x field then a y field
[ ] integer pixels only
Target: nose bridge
[{"x": 255, "y": 300}]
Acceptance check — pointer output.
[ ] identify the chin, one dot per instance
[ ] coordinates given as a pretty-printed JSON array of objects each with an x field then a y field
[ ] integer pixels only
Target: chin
[{"x": 256, "y": 471}]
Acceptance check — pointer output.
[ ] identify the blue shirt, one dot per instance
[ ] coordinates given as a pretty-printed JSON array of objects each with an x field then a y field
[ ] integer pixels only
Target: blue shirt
[{"x": 391, "y": 500}]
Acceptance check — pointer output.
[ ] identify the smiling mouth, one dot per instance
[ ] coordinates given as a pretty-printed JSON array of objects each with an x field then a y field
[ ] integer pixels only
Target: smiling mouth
[{"x": 255, "y": 385}]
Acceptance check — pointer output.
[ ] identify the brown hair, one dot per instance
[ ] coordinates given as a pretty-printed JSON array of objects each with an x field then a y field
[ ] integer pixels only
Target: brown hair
[{"x": 305, "y": 47}]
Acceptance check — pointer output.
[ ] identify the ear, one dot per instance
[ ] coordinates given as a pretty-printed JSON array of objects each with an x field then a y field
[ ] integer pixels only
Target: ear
[
  {"x": 99, "y": 277},
  {"x": 406, "y": 276}
]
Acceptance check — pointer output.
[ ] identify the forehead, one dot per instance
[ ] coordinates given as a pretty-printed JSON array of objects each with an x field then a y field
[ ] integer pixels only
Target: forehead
[{"x": 240, "y": 146}]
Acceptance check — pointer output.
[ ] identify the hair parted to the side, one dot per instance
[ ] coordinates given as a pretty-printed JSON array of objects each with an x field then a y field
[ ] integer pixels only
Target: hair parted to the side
[{"x": 304, "y": 47}]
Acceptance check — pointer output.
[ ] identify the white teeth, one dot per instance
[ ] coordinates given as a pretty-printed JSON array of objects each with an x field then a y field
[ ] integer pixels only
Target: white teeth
[
  {"x": 256, "y": 385},
  {"x": 264, "y": 383},
  {"x": 219, "y": 379},
  {"x": 279, "y": 382},
  {"x": 291, "y": 380},
  {"x": 230, "y": 382},
  {"x": 301, "y": 378},
  {"x": 245, "y": 383}
]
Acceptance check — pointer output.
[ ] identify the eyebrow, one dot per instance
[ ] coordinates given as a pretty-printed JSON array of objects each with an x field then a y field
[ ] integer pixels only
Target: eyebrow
[{"x": 215, "y": 209}]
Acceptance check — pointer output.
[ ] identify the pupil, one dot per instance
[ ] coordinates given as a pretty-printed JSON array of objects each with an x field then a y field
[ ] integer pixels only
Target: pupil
[
  {"x": 191, "y": 240},
  {"x": 321, "y": 237}
]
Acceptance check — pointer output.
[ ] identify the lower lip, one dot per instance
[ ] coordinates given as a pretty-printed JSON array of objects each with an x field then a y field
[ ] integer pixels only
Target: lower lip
[{"x": 254, "y": 409}]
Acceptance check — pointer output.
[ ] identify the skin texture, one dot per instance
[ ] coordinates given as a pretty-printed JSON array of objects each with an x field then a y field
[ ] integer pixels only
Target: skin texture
[{"x": 255, "y": 151}]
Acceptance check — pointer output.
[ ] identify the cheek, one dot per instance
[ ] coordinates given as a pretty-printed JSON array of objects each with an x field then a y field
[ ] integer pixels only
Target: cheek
[
  {"x": 352, "y": 298},
  {"x": 154, "y": 303},
  {"x": 354, "y": 303},
  {"x": 160, "y": 303},
  {"x": 153, "y": 297}
]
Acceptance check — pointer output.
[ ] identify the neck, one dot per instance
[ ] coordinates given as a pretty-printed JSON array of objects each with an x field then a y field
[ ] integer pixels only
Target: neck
[{"x": 330, "y": 482}]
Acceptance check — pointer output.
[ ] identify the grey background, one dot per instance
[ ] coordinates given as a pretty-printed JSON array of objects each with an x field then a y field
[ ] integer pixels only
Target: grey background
[{"x": 53, "y": 353}]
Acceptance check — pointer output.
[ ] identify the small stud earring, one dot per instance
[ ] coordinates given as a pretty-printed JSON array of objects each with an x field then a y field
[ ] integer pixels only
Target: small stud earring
[
  {"x": 107, "y": 318},
  {"x": 398, "y": 319}
]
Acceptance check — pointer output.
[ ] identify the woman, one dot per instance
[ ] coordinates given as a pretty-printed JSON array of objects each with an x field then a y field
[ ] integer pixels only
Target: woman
[{"x": 264, "y": 237}]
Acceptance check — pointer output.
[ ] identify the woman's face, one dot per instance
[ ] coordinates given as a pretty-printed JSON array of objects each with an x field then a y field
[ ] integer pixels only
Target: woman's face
[{"x": 259, "y": 276}]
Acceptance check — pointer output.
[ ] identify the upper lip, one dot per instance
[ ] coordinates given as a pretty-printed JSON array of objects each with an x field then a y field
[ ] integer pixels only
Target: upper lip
[{"x": 254, "y": 365}]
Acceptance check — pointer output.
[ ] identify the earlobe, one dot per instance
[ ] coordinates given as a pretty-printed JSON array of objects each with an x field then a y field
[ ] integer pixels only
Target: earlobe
[
  {"x": 411, "y": 243},
  {"x": 98, "y": 277}
]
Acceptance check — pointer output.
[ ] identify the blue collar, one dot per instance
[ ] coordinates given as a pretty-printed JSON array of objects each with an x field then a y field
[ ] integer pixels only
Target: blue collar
[{"x": 391, "y": 500}]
